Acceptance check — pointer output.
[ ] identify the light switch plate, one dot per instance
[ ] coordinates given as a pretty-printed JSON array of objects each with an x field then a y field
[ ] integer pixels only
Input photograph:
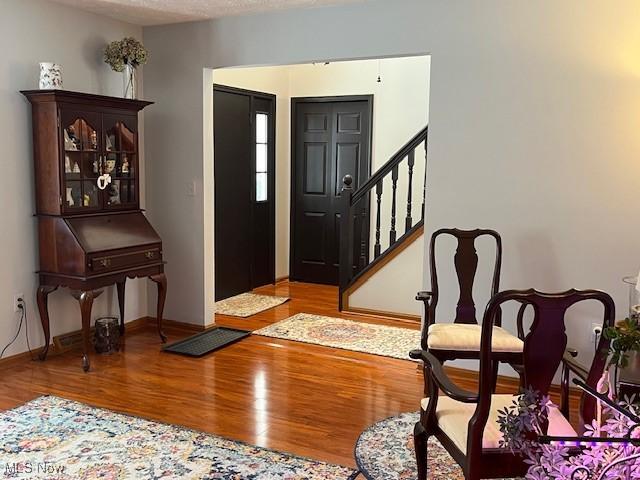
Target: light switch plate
[{"x": 191, "y": 188}]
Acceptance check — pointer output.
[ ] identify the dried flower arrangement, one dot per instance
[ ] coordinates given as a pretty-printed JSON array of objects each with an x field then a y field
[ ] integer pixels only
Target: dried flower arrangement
[
  {"x": 127, "y": 51},
  {"x": 126, "y": 56}
]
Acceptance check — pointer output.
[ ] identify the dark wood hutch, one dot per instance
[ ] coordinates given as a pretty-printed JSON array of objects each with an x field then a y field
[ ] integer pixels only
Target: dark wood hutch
[{"x": 92, "y": 232}]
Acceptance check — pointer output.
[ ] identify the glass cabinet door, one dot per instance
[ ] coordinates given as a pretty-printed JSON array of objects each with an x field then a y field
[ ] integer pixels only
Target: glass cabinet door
[
  {"x": 121, "y": 160},
  {"x": 81, "y": 160}
]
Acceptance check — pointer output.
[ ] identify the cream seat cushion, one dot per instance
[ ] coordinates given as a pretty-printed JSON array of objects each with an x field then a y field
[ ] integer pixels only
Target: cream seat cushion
[
  {"x": 453, "y": 419},
  {"x": 460, "y": 336}
]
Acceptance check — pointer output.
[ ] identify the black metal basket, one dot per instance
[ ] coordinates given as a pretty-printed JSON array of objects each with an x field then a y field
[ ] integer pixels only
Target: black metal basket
[{"x": 107, "y": 336}]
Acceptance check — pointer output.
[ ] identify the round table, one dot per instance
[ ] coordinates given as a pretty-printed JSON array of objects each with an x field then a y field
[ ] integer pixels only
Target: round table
[{"x": 384, "y": 451}]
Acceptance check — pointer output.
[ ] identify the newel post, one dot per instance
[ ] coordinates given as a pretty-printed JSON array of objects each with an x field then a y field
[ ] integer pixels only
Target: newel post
[{"x": 346, "y": 235}]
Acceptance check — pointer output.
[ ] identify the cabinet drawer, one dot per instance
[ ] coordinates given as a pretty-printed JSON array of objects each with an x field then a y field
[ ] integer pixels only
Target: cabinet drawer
[{"x": 118, "y": 261}]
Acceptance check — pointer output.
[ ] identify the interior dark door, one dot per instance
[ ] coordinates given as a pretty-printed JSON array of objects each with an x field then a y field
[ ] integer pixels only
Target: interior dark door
[
  {"x": 244, "y": 170},
  {"x": 332, "y": 138}
]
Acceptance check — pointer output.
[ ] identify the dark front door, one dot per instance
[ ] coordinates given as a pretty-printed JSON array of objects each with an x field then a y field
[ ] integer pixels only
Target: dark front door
[
  {"x": 244, "y": 172},
  {"x": 331, "y": 138}
]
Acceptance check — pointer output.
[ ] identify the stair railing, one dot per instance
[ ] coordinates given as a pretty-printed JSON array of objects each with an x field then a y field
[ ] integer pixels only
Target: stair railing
[{"x": 354, "y": 203}]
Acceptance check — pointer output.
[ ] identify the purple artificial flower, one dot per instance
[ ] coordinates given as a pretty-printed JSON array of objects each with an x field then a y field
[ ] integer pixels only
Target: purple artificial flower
[{"x": 521, "y": 424}]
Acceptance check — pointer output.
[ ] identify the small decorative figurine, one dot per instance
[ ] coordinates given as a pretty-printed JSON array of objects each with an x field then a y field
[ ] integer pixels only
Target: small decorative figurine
[
  {"x": 103, "y": 180},
  {"x": 114, "y": 193},
  {"x": 70, "y": 142},
  {"x": 94, "y": 140},
  {"x": 77, "y": 196}
]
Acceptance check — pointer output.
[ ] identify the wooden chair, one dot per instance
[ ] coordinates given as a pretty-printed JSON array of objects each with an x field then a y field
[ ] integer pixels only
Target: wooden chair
[
  {"x": 587, "y": 410},
  {"x": 465, "y": 423},
  {"x": 461, "y": 339}
]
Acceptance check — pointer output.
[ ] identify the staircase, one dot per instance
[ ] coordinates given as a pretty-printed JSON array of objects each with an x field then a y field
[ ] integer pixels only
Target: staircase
[{"x": 394, "y": 193}]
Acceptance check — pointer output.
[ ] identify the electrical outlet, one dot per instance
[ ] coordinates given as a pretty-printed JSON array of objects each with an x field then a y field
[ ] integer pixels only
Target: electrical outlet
[
  {"x": 596, "y": 331},
  {"x": 18, "y": 299}
]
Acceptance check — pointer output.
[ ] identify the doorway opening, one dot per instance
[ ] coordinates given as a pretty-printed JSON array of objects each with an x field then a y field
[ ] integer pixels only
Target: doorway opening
[{"x": 389, "y": 97}]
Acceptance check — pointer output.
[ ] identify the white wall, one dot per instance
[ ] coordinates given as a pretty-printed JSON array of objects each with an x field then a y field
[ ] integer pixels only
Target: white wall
[
  {"x": 392, "y": 289},
  {"x": 400, "y": 110},
  {"x": 30, "y": 32},
  {"x": 533, "y": 126}
]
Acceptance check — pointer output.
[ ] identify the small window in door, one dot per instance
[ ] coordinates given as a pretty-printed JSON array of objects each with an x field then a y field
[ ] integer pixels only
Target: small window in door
[{"x": 262, "y": 148}]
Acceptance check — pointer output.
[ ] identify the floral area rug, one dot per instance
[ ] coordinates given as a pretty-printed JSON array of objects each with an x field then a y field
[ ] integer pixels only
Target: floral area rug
[
  {"x": 247, "y": 304},
  {"x": 346, "y": 334},
  {"x": 56, "y": 439},
  {"x": 385, "y": 451}
]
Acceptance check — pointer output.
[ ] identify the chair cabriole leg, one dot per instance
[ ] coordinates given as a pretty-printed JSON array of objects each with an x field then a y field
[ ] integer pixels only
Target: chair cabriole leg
[{"x": 420, "y": 439}]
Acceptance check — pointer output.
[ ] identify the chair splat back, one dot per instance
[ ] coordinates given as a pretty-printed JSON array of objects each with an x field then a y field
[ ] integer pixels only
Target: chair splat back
[
  {"x": 546, "y": 342},
  {"x": 466, "y": 265}
]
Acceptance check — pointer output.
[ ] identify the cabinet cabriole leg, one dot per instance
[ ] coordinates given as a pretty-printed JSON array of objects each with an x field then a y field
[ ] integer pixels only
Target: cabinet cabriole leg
[
  {"x": 86, "y": 302},
  {"x": 43, "y": 309},
  {"x": 161, "y": 280},
  {"x": 120, "y": 286}
]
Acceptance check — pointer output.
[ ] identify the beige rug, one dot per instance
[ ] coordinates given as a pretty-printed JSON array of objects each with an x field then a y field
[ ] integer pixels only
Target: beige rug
[
  {"x": 346, "y": 334},
  {"x": 247, "y": 304}
]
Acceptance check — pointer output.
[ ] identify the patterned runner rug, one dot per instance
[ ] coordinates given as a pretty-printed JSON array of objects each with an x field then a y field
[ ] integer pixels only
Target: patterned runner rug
[
  {"x": 247, "y": 304},
  {"x": 59, "y": 439},
  {"x": 346, "y": 334}
]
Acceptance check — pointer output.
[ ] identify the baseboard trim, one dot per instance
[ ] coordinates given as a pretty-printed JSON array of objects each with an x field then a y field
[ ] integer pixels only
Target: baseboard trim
[
  {"x": 176, "y": 324},
  {"x": 136, "y": 324},
  {"x": 68, "y": 341},
  {"x": 57, "y": 346},
  {"x": 370, "y": 312},
  {"x": 24, "y": 357},
  {"x": 284, "y": 278}
]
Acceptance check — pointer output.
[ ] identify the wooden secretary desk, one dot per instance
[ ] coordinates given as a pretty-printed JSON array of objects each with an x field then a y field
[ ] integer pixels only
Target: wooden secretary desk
[{"x": 91, "y": 230}]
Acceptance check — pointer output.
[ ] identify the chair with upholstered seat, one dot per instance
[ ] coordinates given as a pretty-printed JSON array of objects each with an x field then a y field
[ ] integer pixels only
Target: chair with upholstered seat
[
  {"x": 465, "y": 422},
  {"x": 461, "y": 339}
]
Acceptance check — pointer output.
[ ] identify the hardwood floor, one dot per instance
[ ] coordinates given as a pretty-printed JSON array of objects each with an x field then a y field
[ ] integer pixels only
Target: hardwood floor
[{"x": 305, "y": 399}]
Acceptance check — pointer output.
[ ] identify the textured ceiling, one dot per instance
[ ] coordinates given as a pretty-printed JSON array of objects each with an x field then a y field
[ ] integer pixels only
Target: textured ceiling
[{"x": 157, "y": 12}]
